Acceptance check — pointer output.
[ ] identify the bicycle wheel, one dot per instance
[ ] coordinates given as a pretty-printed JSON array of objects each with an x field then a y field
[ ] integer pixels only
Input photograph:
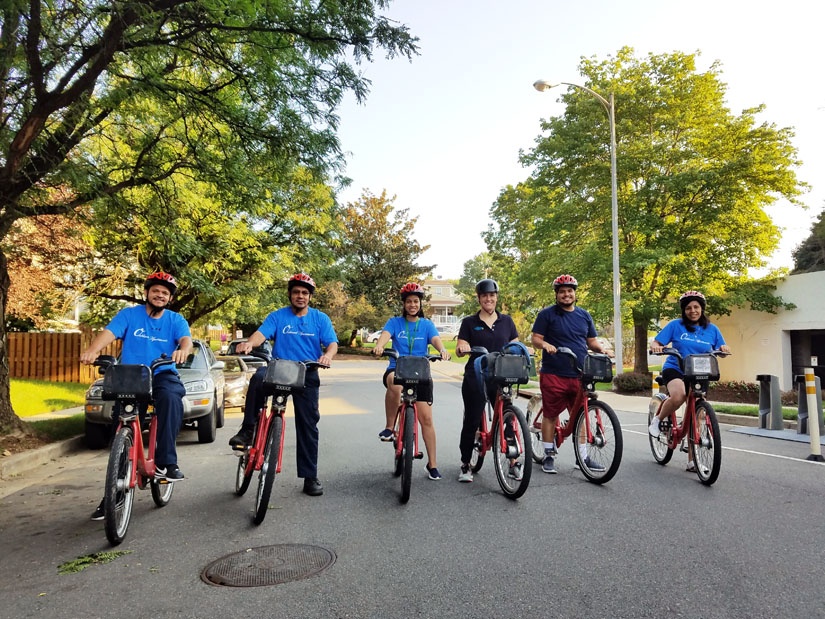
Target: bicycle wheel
[
  {"x": 604, "y": 453},
  {"x": 532, "y": 416},
  {"x": 118, "y": 497},
  {"x": 514, "y": 464},
  {"x": 161, "y": 492},
  {"x": 477, "y": 457},
  {"x": 266, "y": 478},
  {"x": 659, "y": 445},
  {"x": 707, "y": 453},
  {"x": 407, "y": 453},
  {"x": 242, "y": 476},
  {"x": 397, "y": 434}
]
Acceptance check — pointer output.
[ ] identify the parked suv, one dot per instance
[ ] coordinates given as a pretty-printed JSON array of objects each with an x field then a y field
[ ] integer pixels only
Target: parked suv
[{"x": 203, "y": 407}]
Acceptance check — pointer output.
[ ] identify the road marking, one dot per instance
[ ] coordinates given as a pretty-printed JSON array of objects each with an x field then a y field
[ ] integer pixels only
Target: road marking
[{"x": 746, "y": 451}]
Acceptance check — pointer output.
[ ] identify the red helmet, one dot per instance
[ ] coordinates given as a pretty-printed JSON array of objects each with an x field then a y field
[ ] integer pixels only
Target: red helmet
[
  {"x": 411, "y": 288},
  {"x": 692, "y": 295},
  {"x": 565, "y": 280},
  {"x": 301, "y": 279},
  {"x": 164, "y": 279}
]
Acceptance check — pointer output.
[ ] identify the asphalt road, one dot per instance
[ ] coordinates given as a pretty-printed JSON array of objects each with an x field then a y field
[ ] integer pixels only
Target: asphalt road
[{"x": 653, "y": 542}]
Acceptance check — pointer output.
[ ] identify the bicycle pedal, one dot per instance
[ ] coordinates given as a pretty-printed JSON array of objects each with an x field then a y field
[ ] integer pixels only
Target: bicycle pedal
[{"x": 419, "y": 455}]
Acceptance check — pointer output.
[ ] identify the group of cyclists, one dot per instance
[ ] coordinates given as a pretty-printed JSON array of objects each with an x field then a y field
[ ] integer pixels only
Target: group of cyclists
[{"x": 301, "y": 332}]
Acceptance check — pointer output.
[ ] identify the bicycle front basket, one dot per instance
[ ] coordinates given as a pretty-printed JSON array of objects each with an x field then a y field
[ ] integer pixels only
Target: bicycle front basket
[
  {"x": 410, "y": 370},
  {"x": 283, "y": 374},
  {"x": 127, "y": 382},
  {"x": 598, "y": 368},
  {"x": 701, "y": 367},
  {"x": 510, "y": 369}
]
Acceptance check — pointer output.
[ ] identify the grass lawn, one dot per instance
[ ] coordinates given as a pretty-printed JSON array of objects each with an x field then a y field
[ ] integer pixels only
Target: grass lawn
[{"x": 32, "y": 397}]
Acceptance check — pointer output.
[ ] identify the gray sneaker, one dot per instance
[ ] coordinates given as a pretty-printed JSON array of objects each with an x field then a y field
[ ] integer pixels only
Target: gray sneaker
[
  {"x": 594, "y": 466},
  {"x": 548, "y": 465},
  {"x": 515, "y": 471}
]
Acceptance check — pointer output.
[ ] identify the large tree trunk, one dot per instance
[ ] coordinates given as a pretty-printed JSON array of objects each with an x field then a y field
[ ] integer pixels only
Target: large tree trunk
[
  {"x": 640, "y": 345},
  {"x": 9, "y": 422}
]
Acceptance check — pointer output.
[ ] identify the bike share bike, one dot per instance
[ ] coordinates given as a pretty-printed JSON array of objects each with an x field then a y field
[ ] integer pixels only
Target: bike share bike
[
  {"x": 265, "y": 453},
  {"x": 506, "y": 436},
  {"x": 129, "y": 467},
  {"x": 698, "y": 433},
  {"x": 594, "y": 425},
  {"x": 410, "y": 371}
]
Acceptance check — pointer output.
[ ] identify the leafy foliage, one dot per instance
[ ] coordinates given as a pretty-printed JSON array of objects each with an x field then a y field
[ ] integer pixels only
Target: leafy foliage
[
  {"x": 693, "y": 182},
  {"x": 810, "y": 255},
  {"x": 155, "y": 115}
]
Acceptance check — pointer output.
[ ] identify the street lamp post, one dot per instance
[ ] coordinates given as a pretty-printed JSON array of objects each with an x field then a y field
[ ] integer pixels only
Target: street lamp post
[{"x": 608, "y": 104}]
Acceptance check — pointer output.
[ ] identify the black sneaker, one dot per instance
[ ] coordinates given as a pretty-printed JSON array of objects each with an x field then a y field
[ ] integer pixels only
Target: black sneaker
[
  {"x": 242, "y": 439},
  {"x": 170, "y": 472},
  {"x": 98, "y": 513},
  {"x": 313, "y": 487}
]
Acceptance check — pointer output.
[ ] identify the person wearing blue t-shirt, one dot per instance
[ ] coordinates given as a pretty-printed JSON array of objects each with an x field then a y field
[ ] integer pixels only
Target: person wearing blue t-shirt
[
  {"x": 692, "y": 334},
  {"x": 300, "y": 333},
  {"x": 557, "y": 326},
  {"x": 147, "y": 332},
  {"x": 411, "y": 334}
]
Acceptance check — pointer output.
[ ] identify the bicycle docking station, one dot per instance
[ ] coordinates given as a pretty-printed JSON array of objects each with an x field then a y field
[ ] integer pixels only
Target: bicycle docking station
[{"x": 770, "y": 402}]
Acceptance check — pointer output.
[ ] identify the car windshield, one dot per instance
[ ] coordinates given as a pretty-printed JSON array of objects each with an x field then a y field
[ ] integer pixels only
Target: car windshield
[
  {"x": 195, "y": 361},
  {"x": 231, "y": 365}
]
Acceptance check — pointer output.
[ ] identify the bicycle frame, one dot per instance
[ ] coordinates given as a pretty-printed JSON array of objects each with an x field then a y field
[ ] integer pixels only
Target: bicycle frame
[
  {"x": 406, "y": 402},
  {"x": 256, "y": 450},
  {"x": 495, "y": 412},
  {"x": 144, "y": 466}
]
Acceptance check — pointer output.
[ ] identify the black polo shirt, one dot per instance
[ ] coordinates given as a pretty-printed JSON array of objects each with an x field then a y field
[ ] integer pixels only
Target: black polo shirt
[{"x": 477, "y": 333}]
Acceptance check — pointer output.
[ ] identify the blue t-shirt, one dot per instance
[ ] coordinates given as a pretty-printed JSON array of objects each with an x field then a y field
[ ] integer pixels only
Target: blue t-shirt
[
  {"x": 146, "y": 338},
  {"x": 564, "y": 329},
  {"x": 410, "y": 338},
  {"x": 298, "y": 338},
  {"x": 702, "y": 340}
]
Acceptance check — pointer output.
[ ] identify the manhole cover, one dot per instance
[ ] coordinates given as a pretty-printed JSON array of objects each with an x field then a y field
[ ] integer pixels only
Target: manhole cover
[{"x": 268, "y": 565}]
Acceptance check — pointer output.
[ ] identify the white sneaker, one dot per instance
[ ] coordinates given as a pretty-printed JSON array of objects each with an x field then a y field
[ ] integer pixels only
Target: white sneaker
[
  {"x": 653, "y": 428},
  {"x": 515, "y": 471},
  {"x": 466, "y": 475}
]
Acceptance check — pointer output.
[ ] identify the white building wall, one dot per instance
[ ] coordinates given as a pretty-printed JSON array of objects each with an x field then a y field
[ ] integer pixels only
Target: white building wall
[{"x": 761, "y": 342}]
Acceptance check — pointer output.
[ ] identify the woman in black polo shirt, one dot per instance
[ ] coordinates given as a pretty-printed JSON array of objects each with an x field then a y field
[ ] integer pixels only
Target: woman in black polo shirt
[{"x": 492, "y": 330}]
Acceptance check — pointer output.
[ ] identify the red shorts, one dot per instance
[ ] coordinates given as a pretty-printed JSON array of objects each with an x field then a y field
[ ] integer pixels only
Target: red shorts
[{"x": 559, "y": 393}]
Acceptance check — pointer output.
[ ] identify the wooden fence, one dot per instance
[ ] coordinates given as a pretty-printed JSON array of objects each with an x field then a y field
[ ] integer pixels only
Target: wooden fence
[
  {"x": 52, "y": 356},
  {"x": 56, "y": 356}
]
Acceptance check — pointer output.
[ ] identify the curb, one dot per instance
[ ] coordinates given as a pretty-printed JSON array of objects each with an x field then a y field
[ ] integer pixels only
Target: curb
[{"x": 17, "y": 464}]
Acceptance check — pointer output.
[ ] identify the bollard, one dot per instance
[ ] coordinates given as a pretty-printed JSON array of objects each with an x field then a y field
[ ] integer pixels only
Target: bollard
[
  {"x": 811, "y": 392},
  {"x": 770, "y": 402},
  {"x": 804, "y": 416}
]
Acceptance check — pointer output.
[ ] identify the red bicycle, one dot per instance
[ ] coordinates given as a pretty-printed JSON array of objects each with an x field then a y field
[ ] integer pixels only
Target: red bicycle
[
  {"x": 129, "y": 467},
  {"x": 595, "y": 424},
  {"x": 699, "y": 428},
  {"x": 410, "y": 371},
  {"x": 265, "y": 453},
  {"x": 511, "y": 451}
]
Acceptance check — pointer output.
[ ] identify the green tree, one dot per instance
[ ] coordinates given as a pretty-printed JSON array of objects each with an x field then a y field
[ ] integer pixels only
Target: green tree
[
  {"x": 693, "y": 182},
  {"x": 379, "y": 252},
  {"x": 809, "y": 256},
  {"x": 235, "y": 94}
]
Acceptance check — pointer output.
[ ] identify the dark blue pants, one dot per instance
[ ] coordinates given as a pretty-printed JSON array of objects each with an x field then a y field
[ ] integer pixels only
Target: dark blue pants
[
  {"x": 307, "y": 415},
  {"x": 168, "y": 392}
]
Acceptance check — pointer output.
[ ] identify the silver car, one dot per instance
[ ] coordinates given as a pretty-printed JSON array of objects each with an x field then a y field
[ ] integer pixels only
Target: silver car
[
  {"x": 237, "y": 373},
  {"x": 203, "y": 405}
]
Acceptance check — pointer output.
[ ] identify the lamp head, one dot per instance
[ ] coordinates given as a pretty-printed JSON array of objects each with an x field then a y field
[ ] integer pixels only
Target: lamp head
[{"x": 542, "y": 85}]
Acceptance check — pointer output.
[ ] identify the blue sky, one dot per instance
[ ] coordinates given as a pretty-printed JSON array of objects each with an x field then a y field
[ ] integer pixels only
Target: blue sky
[{"x": 443, "y": 132}]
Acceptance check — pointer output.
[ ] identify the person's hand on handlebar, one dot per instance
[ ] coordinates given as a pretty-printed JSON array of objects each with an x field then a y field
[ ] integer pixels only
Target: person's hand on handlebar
[
  {"x": 243, "y": 347},
  {"x": 445, "y": 354},
  {"x": 656, "y": 348},
  {"x": 180, "y": 356},
  {"x": 725, "y": 348},
  {"x": 549, "y": 348},
  {"x": 462, "y": 348}
]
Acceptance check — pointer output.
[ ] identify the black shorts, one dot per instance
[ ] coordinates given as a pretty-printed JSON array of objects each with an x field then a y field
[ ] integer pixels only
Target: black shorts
[
  {"x": 425, "y": 389},
  {"x": 670, "y": 374}
]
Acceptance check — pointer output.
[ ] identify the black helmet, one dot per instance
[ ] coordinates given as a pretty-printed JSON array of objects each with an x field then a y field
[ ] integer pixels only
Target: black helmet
[{"x": 486, "y": 285}]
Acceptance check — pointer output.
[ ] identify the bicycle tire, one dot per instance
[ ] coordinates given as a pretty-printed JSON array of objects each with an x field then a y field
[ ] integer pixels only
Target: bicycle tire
[
  {"x": 266, "y": 478},
  {"x": 477, "y": 455},
  {"x": 605, "y": 452},
  {"x": 536, "y": 441},
  {"x": 707, "y": 454},
  {"x": 396, "y": 436},
  {"x": 161, "y": 492},
  {"x": 407, "y": 453},
  {"x": 242, "y": 476},
  {"x": 662, "y": 453},
  {"x": 517, "y": 438},
  {"x": 118, "y": 497}
]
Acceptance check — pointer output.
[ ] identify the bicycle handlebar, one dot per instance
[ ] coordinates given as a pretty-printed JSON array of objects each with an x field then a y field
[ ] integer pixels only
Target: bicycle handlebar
[
  {"x": 574, "y": 360},
  {"x": 669, "y": 350},
  {"x": 391, "y": 352},
  {"x": 106, "y": 361}
]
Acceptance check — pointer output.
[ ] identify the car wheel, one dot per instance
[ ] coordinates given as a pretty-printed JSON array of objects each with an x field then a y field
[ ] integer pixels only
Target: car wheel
[
  {"x": 219, "y": 417},
  {"x": 97, "y": 435},
  {"x": 207, "y": 426}
]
